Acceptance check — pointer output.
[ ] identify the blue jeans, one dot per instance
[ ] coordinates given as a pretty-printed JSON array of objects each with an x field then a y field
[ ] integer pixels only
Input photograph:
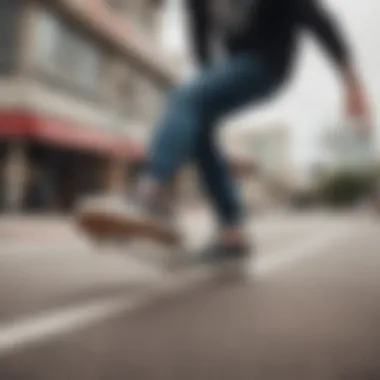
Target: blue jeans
[{"x": 187, "y": 128}]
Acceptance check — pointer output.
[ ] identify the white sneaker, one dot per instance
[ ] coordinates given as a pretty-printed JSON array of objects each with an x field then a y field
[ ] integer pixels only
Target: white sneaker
[{"x": 112, "y": 216}]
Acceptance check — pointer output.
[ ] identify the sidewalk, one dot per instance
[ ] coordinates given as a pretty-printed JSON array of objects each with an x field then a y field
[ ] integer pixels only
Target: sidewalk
[{"x": 37, "y": 228}]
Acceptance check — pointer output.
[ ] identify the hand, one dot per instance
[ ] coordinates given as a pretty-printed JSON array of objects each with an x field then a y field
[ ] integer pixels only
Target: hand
[{"x": 357, "y": 106}]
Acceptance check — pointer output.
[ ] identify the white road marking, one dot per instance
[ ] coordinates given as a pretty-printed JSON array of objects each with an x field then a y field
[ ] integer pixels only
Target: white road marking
[
  {"x": 284, "y": 258},
  {"x": 20, "y": 334}
]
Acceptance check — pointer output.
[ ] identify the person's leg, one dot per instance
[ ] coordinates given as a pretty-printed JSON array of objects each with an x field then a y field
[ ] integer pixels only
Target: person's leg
[
  {"x": 193, "y": 110},
  {"x": 246, "y": 80},
  {"x": 186, "y": 132},
  {"x": 222, "y": 190},
  {"x": 173, "y": 141}
]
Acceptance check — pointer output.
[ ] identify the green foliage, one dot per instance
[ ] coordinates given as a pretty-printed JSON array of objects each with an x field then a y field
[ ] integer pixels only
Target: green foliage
[{"x": 346, "y": 188}]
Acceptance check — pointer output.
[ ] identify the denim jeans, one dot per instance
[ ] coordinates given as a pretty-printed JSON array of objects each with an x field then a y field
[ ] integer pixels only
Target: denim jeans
[{"x": 187, "y": 130}]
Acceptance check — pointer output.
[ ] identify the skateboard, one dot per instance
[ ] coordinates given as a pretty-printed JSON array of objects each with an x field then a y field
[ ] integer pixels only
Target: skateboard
[
  {"x": 115, "y": 225},
  {"x": 104, "y": 219}
]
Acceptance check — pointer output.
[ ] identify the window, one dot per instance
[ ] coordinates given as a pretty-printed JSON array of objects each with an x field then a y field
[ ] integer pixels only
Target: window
[
  {"x": 46, "y": 34},
  {"x": 61, "y": 50},
  {"x": 125, "y": 84},
  {"x": 151, "y": 99},
  {"x": 10, "y": 16}
]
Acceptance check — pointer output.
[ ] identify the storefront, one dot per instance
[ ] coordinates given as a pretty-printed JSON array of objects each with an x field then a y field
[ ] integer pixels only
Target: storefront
[
  {"x": 59, "y": 176},
  {"x": 47, "y": 164},
  {"x": 73, "y": 85}
]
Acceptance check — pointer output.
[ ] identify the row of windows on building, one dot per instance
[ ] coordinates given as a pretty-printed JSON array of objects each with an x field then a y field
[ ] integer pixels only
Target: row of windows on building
[
  {"x": 63, "y": 54},
  {"x": 142, "y": 13},
  {"x": 9, "y": 33}
]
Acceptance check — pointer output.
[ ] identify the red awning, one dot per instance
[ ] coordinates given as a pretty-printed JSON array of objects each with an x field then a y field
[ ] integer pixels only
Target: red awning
[{"x": 20, "y": 124}]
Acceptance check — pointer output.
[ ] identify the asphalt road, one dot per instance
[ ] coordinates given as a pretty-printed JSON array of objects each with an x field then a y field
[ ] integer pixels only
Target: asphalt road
[{"x": 310, "y": 310}]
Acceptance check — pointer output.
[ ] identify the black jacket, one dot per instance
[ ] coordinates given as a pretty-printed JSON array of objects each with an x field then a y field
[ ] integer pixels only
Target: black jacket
[{"x": 271, "y": 29}]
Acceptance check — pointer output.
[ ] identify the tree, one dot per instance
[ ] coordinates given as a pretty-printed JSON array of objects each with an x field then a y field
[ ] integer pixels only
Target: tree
[{"x": 346, "y": 188}]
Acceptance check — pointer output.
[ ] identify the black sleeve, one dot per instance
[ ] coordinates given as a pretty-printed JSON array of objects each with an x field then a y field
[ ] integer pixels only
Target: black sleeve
[
  {"x": 321, "y": 23},
  {"x": 199, "y": 30}
]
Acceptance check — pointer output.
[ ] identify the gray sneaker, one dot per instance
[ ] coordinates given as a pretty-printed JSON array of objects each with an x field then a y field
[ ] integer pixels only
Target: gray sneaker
[
  {"x": 227, "y": 263},
  {"x": 216, "y": 253},
  {"x": 221, "y": 253}
]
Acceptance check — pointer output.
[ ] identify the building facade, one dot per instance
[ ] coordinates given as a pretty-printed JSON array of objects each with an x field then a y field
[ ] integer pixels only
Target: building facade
[
  {"x": 81, "y": 86},
  {"x": 268, "y": 149},
  {"x": 348, "y": 151}
]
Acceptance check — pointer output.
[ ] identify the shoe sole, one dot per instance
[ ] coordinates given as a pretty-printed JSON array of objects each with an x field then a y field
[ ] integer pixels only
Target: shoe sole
[{"x": 101, "y": 226}]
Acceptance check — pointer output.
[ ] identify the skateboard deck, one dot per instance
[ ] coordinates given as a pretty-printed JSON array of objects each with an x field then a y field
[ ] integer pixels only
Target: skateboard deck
[
  {"x": 101, "y": 222},
  {"x": 101, "y": 227}
]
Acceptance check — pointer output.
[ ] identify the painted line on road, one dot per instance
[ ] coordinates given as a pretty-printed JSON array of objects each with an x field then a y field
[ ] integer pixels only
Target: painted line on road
[
  {"x": 282, "y": 259},
  {"x": 22, "y": 333},
  {"x": 37, "y": 329}
]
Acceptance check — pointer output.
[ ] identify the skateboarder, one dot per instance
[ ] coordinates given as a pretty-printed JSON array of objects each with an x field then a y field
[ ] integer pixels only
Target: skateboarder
[{"x": 257, "y": 42}]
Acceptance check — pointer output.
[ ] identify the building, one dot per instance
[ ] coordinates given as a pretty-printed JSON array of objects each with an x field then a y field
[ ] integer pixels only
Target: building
[
  {"x": 268, "y": 145},
  {"x": 347, "y": 150},
  {"x": 81, "y": 85},
  {"x": 268, "y": 148}
]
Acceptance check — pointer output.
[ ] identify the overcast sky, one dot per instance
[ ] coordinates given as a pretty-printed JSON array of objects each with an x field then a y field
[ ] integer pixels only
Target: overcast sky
[{"x": 313, "y": 98}]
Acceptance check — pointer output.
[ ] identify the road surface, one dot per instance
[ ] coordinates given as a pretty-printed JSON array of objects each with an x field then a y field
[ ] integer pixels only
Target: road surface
[{"x": 311, "y": 310}]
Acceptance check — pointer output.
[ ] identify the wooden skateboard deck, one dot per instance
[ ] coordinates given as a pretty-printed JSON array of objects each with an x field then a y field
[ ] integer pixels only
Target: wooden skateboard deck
[{"x": 102, "y": 226}]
